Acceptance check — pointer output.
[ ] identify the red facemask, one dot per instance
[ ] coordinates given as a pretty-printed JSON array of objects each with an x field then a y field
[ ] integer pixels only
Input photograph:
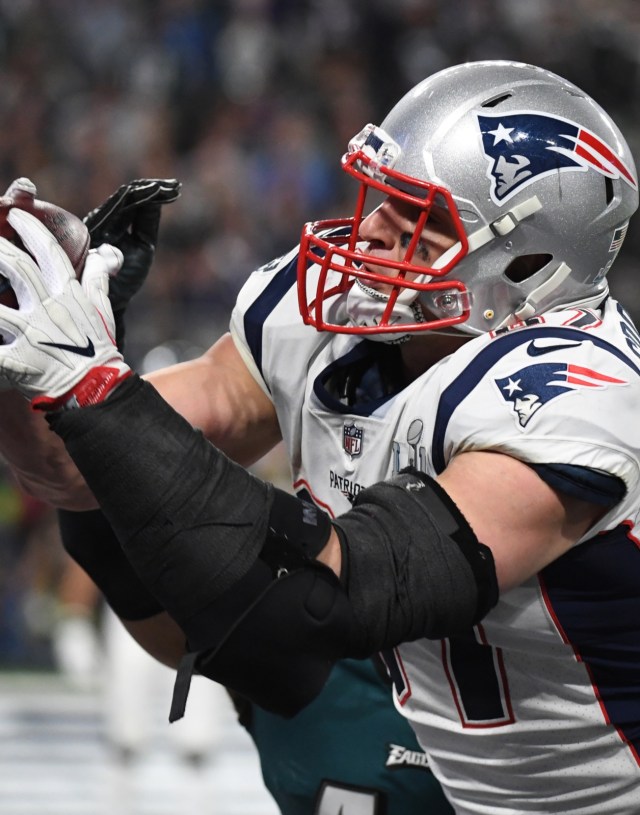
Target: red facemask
[{"x": 330, "y": 260}]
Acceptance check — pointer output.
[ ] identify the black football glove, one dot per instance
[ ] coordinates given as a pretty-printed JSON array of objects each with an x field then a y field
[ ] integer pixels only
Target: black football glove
[{"x": 129, "y": 219}]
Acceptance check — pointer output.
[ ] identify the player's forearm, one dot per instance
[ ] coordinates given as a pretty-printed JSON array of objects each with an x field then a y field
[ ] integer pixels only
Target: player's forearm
[
  {"x": 208, "y": 540},
  {"x": 217, "y": 394},
  {"x": 234, "y": 561},
  {"x": 38, "y": 458},
  {"x": 160, "y": 636}
]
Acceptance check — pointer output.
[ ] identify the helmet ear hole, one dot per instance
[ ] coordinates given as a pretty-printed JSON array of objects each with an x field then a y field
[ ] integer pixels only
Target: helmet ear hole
[
  {"x": 525, "y": 266},
  {"x": 608, "y": 190}
]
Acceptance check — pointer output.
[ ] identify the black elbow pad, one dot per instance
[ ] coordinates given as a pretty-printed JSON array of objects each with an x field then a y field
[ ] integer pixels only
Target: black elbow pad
[
  {"x": 413, "y": 566},
  {"x": 280, "y": 650},
  {"x": 275, "y": 635}
]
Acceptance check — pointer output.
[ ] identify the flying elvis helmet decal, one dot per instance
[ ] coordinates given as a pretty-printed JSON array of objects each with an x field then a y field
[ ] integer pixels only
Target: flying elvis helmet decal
[{"x": 523, "y": 146}]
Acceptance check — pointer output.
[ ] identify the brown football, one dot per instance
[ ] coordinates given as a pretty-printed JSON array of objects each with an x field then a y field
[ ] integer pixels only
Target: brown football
[{"x": 68, "y": 229}]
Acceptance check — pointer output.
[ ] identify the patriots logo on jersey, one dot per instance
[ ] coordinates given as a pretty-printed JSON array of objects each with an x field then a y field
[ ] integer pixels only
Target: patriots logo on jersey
[
  {"x": 530, "y": 388},
  {"x": 522, "y": 147}
]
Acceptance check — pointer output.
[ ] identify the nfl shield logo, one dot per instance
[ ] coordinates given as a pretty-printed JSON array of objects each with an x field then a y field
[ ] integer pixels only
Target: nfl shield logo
[{"x": 352, "y": 439}]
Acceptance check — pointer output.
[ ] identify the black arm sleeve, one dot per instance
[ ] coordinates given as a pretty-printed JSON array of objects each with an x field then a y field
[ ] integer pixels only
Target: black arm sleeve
[
  {"x": 229, "y": 557},
  {"x": 210, "y": 541},
  {"x": 89, "y": 540},
  {"x": 190, "y": 521}
]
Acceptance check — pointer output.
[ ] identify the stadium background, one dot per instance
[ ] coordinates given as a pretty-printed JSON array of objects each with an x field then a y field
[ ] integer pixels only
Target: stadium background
[{"x": 251, "y": 104}]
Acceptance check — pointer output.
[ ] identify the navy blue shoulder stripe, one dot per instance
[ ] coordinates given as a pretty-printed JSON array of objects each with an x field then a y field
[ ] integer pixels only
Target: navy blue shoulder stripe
[
  {"x": 584, "y": 483},
  {"x": 262, "y": 307},
  {"x": 593, "y": 591},
  {"x": 477, "y": 369}
]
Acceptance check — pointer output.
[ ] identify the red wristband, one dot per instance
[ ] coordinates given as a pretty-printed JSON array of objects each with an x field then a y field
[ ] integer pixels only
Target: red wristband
[{"x": 93, "y": 388}]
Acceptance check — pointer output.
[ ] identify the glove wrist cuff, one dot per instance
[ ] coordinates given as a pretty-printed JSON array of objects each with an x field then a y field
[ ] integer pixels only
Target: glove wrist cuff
[{"x": 94, "y": 387}]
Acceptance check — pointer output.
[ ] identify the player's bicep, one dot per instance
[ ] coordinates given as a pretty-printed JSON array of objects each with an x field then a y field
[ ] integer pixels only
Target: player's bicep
[
  {"x": 219, "y": 395},
  {"x": 524, "y": 521}
]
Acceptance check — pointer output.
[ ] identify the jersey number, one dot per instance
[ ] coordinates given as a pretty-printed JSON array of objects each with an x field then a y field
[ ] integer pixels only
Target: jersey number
[
  {"x": 477, "y": 678},
  {"x": 334, "y": 799}
]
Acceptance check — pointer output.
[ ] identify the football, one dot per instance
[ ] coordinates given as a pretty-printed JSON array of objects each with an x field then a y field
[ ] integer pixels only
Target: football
[{"x": 69, "y": 230}]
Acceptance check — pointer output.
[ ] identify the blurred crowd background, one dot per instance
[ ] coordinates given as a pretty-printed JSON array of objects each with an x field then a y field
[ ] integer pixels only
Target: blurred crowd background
[{"x": 250, "y": 103}]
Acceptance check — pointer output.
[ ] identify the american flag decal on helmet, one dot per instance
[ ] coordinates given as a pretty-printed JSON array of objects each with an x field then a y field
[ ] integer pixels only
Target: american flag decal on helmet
[
  {"x": 523, "y": 146},
  {"x": 618, "y": 237}
]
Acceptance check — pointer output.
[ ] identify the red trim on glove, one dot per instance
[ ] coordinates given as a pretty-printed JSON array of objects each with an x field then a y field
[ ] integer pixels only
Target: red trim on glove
[{"x": 92, "y": 389}]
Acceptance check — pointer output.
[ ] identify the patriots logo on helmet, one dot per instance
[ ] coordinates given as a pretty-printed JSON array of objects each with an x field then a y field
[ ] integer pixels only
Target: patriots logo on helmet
[
  {"x": 530, "y": 388},
  {"x": 522, "y": 147}
]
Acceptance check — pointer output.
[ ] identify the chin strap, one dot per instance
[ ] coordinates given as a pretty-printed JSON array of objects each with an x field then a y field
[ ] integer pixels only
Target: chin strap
[
  {"x": 530, "y": 306},
  {"x": 366, "y": 306}
]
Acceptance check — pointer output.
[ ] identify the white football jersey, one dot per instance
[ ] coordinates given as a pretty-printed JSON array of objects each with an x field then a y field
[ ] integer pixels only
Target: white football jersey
[{"x": 537, "y": 709}]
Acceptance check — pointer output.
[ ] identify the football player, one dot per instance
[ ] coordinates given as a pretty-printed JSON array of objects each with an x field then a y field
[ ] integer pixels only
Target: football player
[{"x": 456, "y": 390}]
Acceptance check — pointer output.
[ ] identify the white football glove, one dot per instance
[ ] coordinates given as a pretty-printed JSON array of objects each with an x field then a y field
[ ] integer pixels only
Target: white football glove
[{"x": 58, "y": 348}]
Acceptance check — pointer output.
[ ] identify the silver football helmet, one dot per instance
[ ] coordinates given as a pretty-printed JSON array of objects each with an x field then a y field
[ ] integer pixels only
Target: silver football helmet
[{"x": 539, "y": 184}]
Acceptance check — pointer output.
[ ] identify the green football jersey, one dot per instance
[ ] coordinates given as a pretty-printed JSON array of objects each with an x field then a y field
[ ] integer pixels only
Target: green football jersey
[{"x": 348, "y": 753}]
